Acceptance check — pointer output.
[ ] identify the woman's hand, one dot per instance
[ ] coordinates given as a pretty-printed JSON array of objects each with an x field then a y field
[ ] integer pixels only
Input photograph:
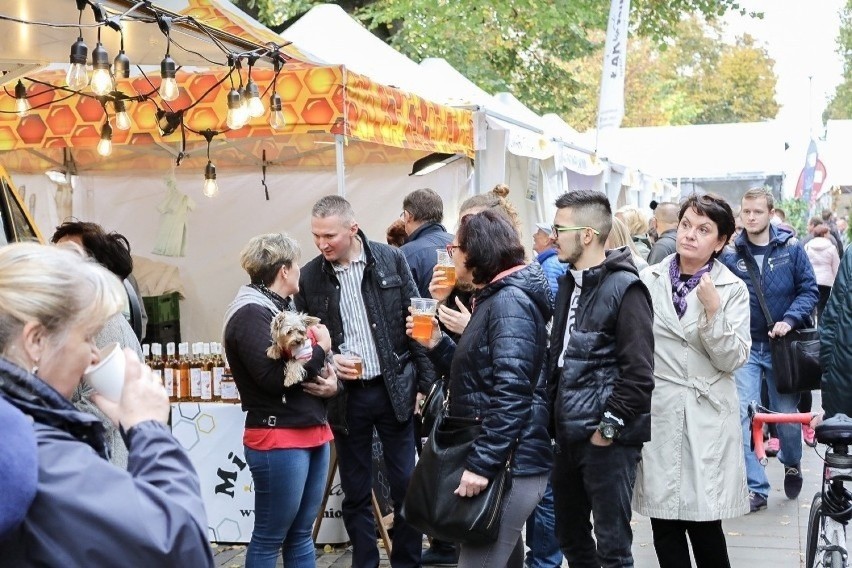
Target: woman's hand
[
  {"x": 437, "y": 288},
  {"x": 453, "y": 320},
  {"x": 322, "y": 336},
  {"x": 143, "y": 397},
  {"x": 471, "y": 484},
  {"x": 708, "y": 296},
  {"x": 430, "y": 343},
  {"x": 322, "y": 386}
]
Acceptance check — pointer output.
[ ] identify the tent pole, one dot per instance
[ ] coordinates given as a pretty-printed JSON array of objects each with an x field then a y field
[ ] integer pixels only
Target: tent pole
[{"x": 341, "y": 165}]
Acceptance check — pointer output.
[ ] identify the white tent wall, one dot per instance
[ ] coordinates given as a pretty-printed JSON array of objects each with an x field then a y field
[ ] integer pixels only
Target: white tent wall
[{"x": 218, "y": 228}]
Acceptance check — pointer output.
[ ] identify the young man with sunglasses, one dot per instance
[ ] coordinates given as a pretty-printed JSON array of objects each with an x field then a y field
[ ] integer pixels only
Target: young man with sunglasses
[{"x": 600, "y": 383}]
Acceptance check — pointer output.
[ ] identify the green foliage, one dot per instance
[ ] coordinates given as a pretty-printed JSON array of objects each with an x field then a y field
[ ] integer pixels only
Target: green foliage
[
  {"x": 548, "y": 53},
  {"x": 797, "y": 214},
  {"x": 697, "y": 79},
  {"x": 840, "y": 104}
]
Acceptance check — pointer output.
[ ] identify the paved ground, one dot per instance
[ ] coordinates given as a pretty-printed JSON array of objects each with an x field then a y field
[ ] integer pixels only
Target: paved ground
[{"x": 773, "y": 538}]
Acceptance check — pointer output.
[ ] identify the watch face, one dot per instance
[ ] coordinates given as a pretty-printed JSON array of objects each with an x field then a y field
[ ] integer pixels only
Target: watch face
[{"x": 608, "y": 431}]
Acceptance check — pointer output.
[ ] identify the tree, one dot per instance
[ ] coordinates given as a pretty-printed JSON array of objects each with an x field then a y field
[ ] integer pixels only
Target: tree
[
  {"x": 521, "y": 46},
  {"x": 696, "y": 79},
  {"x": 840, "y": 104}
]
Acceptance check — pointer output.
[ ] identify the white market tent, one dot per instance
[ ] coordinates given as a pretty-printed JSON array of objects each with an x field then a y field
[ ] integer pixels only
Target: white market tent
[
  {"x": 723, "y": 158},
  {"x": 515, "y": 143}
]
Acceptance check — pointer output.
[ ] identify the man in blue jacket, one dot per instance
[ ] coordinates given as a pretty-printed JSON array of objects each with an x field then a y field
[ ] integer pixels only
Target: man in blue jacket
[
  {"x": 789, "y": 287},
  {"x": 422, "y": 213},
  {"x": 545, "y": 251}
]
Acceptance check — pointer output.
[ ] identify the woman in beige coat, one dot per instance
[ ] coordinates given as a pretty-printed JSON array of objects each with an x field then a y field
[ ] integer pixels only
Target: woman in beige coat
[{"x": 692, "y": 473}]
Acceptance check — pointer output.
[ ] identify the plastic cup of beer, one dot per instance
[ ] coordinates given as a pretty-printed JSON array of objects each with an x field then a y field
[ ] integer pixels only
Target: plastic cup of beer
[
  {"x": 423, "y": 311},
  {"x": 352, "y": 354},
  {"x": 445, "y": 263}
]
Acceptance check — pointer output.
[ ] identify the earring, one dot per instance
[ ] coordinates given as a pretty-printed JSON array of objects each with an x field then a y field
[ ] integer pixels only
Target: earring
[{"x": 35, "y": 369}]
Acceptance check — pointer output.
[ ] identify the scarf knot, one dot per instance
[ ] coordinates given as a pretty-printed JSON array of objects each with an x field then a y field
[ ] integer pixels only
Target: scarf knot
[{"x": 681, "y": 289}]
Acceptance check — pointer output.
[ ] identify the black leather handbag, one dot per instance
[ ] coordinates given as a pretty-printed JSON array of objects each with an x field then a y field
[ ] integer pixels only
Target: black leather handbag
[
  {"x": 795, "y": 356},
  {"x": 433, "y": 405},
  {"x": 430, "y": 504}
]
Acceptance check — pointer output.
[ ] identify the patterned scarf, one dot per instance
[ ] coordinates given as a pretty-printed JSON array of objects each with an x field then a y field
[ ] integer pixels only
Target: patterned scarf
[
  {"x": 280, "y": 303},
  {"x": 681, "y": 289}
]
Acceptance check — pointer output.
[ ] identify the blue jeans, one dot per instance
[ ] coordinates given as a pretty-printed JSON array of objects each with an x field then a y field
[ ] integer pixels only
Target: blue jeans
[
  {"x": 748, "y": 377},
  {"x": 288, "y": 487},
  {"x": 597, "y": 482},
  {"x": 541, "y": 535},
  {"x": 368, "y": 408}
]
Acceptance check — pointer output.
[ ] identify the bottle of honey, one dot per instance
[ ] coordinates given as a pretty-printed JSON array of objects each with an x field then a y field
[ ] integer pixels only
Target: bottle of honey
[
  {"x": 170, "y": 375},
  {"x": 182, "y": 372}
]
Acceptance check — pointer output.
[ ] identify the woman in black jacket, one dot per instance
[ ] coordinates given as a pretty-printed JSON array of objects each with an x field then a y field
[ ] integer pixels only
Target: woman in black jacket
[
  {"x": 497, "y": 376},
  {"x": 286, "y": 436}
]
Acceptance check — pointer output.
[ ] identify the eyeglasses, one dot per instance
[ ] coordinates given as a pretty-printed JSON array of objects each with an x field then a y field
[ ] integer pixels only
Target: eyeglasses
[
  {"x": 451, "y": 249},
  {"x": 562, "y": 228}
]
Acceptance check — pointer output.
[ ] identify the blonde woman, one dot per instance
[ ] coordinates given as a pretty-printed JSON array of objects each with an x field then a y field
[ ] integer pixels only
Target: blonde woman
[
  {"x": 619, "y": 237},
  {"x": 87, "y": 511},
  {"x": 637, "y": 226}
]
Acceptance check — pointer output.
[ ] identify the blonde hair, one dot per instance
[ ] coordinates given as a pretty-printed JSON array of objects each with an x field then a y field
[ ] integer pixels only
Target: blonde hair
[
  {"x": 264, "y": 255},
  {"x": 56, "y": 287},
  {"x": 619, "y": 237},
  {"x": 634, "y": 219},
  {"x": 494, "y": 200}
]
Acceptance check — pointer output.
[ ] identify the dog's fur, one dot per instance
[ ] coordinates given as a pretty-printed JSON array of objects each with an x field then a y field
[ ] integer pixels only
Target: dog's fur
[{"x": 289, "y": 331}]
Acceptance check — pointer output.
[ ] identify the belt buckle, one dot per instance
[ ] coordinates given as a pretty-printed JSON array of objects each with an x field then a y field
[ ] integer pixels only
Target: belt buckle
[{"x": 271, "y": 420}]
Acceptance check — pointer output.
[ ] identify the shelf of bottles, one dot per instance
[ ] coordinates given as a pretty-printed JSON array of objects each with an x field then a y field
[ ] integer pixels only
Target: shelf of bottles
[{"x": 197, "y": 375}]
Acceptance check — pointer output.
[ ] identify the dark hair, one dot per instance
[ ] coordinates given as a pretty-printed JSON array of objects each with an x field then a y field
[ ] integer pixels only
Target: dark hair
[
  {"x": 814, "y": 221},
  {"x": 820, "y": 230},
  {"x": 396, "y": 235},
  {"x": 716, "y": 209},
  {"x": 590, "y": 208},
  {"x": 826, "y": 214},
  {"x": 424, "y": 205},
  {"x": 112, "y": 250},
  {"x": 490, "y": 244}
]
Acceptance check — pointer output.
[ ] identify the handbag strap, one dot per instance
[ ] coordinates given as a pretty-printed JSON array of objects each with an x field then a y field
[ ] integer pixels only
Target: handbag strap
[{"x": 755, "y": 281}]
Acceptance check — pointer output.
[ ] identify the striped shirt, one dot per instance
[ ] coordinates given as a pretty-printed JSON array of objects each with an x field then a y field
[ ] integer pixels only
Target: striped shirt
[{"x": 357, "y": 332}]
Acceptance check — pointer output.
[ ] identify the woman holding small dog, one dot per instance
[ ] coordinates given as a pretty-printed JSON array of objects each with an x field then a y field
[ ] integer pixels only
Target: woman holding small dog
[{"x": 286, "y": 436}]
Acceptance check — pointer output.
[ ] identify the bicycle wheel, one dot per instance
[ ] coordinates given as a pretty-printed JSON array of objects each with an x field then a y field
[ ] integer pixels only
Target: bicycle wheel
[{"x": 814, "y": 527}]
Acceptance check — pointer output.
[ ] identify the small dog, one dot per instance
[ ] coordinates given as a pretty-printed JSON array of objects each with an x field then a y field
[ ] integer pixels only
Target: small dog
[{"x": 292, "y": 338}]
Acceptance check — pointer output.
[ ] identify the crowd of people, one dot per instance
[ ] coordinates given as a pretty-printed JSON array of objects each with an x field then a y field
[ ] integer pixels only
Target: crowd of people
[{"x": 612, "y": 372}]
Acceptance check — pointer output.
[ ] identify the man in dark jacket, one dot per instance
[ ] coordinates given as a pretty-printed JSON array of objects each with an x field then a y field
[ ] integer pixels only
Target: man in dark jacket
[
  {"x": 422, "y": 213},
  {"x": 600, "y": 381},
  {"x": 786, "y": 277},
  {"x": 361, "y": 291},
  {"x": 664, "y": 223},
  {"x": 835, "y": 336}
]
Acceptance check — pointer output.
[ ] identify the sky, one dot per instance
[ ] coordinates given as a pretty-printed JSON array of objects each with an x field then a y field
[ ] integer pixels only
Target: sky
[{"x": 801, "y": 36}]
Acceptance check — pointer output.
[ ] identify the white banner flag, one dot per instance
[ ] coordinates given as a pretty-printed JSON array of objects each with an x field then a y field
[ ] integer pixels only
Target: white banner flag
[{"x": 611, "y": 105}]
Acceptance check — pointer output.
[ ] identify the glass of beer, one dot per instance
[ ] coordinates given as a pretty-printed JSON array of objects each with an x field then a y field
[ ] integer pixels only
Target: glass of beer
[
  {"x": 445, "y": 263},
  {"x": 352, "y": 354},
  {"x": 423, "y": 312}
]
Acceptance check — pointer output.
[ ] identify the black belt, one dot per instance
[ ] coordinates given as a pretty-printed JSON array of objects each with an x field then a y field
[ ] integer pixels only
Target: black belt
[
  {"x": 365, "y": 383},
  {"x": 256, "y": 419}
]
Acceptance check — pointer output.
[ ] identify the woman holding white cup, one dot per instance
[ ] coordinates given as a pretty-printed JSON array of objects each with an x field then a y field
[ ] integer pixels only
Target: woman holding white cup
[{"x": 86, "y": 510}]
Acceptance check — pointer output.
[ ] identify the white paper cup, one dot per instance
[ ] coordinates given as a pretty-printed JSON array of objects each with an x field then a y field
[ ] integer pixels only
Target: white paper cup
[{"x": 107, "y": 376}]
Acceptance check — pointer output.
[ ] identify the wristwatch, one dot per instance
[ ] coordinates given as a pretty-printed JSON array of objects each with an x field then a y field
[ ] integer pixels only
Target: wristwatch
[{"x": 608, "y": 431}]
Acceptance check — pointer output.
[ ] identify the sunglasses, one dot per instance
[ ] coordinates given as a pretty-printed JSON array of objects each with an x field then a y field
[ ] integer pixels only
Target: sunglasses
[{"x": 562, "y": 228}]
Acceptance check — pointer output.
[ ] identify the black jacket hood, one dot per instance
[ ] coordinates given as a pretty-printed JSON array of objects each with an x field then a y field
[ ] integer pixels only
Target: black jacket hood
[{"x": 531, "y": 280}]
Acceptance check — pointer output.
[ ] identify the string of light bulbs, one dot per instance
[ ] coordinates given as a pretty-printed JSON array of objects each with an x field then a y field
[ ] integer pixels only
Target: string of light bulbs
[{"x": 244, "y": 103}]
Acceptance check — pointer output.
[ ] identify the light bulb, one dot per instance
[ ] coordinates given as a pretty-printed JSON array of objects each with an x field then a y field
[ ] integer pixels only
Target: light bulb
[
  {"x": 122, "y": 121},
  {"x": 254, "y": 104},
  {"x": 105, "y": 145},
  {"x": 276, "y": 116},
  {"x": 22, "y": 105},
  {"x": 168, "y": 86},
  {"x": 101, "y": 78},
  {"x": 236, "y": 117},
  {"x": 76, "y": 77},
  {"x": 210, "y": 186}
]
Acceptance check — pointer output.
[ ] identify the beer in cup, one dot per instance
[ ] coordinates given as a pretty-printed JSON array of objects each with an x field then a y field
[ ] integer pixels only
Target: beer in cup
[{"x": 423, "y": 312}]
